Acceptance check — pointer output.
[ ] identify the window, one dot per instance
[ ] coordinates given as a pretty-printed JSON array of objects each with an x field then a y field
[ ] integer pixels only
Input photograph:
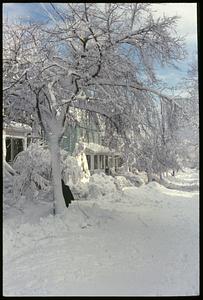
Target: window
[
  {"x": 110, "y": 162},
  {"x": 95, "y": 161},
  {"x": 101, "y": 161},
  {"x": 8, "y": 149},
  {"x": 120, "y": 162},
  {"x": 106, "y": 160},
  {"x": 89, "y": 161},
  {"x": 13, "y": 147},
  {"x": 17, "y": 146}
]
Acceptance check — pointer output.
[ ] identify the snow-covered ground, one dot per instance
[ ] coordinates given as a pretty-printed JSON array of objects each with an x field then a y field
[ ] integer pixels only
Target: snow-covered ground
[{"x": 139, "y": 241}]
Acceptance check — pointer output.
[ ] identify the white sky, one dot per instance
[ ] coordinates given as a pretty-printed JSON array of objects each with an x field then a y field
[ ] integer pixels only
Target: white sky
[{"x": 187, "y": 24}]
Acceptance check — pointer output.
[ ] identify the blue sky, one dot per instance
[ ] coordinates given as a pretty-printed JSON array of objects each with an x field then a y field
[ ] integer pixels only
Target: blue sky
[
  {"x": 186, "y": 26},
  {"x": 33, "y": 11}
]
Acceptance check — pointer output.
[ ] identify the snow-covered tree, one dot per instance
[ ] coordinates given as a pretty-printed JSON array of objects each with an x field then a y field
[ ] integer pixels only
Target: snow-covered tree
[
  {"x": 93, "y": 57},
  {"x": 189, "y": 123}
]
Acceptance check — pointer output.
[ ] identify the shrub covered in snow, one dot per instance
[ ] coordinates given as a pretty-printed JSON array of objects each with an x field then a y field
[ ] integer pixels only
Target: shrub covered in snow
[
  {"x": 33, "y": 179},
  {"x": 121, "y": 182},
  {"x": 80, "y": 190},
  {"x": 143, "y": 176},
  {"x": 131, "y": 179},
  {"x": 136, "y": 180},
  {"x": 34, "y": 172},
  {"x": 100, "y": 185},
  {"x": 71, "y": 171}
]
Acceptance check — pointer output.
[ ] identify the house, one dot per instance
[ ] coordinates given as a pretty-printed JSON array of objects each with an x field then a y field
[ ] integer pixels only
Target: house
[
  {"x": 101, "y": 158},
  {"x": 89, "y": 133},
  {"x": 86, "y": 131}
]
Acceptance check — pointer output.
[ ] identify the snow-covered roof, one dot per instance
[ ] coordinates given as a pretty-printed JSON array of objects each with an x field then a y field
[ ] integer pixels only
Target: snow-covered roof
[
  {"x": 17, "y": 126},
  {"x": 93, "y": 148}
]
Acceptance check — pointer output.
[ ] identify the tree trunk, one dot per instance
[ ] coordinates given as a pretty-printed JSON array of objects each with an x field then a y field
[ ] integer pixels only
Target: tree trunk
[{"x": 59, "y": 202}]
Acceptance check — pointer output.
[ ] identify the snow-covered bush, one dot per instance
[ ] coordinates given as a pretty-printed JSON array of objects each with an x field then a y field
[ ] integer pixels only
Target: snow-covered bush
[
  {"x": 143, "y": 176},
  {"x": 100, "y": 185},
  {"x": 71, "y": 171},
  {"x": 136, "y": 180},
  {"x": 126, "y": 179},
  {"x": 121, "y": 182},
  {"x": 79, "y": 154},
  {"x": 34, "y": 172},
  {"x": 80, "y": 190}
]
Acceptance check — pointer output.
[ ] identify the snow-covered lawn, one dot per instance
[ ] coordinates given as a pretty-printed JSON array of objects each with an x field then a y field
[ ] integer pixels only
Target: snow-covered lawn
[{"x": 141, "y": 241}]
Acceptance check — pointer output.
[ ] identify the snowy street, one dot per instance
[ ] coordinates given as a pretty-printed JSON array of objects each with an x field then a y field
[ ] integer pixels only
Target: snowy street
[{"x": 140, "y": 241}]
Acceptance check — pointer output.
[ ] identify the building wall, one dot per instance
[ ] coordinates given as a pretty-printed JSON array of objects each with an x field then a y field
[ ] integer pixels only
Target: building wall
[{"x": 73, "y": 134}]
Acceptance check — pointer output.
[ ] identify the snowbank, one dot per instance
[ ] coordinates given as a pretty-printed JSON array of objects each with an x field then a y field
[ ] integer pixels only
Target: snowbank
[
  {"x": 24, "y": 231},
  {"x": 98, "y": 186},
  {"x": 136, "y": 180},
  {"x": 101, "y": 185},
  {"x": 121, "y": 182}
]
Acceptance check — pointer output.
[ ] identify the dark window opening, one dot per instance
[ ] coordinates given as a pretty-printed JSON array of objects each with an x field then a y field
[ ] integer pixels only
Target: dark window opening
[
  {"x": 8, "y": 149},
  {"x": 13, "y": 147},
  {"x": 89, "y": 161},
  {"x": 17, "y": 146},
  {"x": 101, "y": 158},
  {"x": 106, "y": 158},
  {"x": 95, "y": 162}
]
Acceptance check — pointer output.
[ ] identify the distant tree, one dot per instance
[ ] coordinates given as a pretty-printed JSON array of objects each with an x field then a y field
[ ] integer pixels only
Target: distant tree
[{"x": 189, "y": 123}]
